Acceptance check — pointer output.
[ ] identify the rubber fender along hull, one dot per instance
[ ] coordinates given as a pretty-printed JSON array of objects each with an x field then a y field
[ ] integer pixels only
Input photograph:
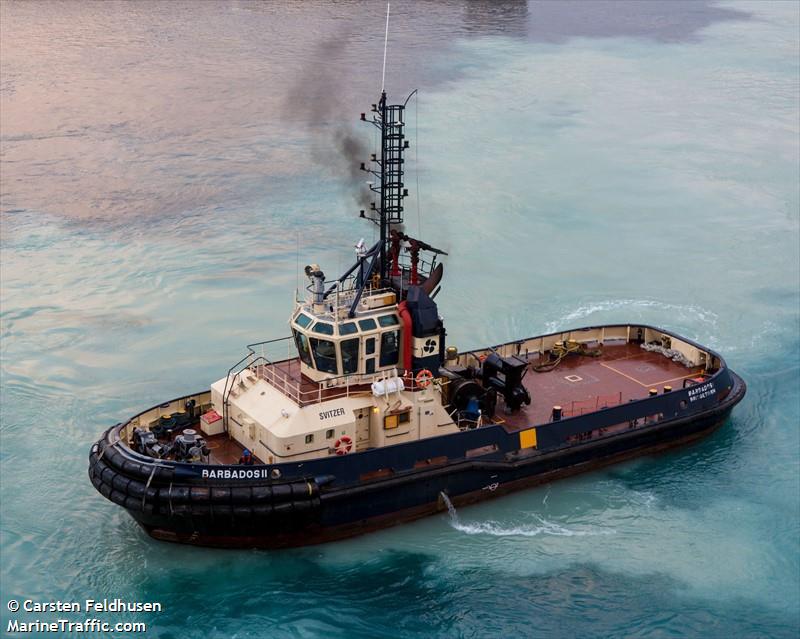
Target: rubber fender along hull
[
  {"x": 271, "y": 514},
  {"x": 148, "y": 490}
]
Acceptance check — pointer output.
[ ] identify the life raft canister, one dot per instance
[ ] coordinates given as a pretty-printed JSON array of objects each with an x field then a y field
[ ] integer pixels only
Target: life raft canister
[
  {"x": 424, "y": 378},
  {"x": 343, "y": 445}
]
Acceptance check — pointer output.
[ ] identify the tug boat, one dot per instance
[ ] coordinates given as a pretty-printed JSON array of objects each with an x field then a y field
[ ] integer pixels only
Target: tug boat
[{"x": 364, "y": 418}]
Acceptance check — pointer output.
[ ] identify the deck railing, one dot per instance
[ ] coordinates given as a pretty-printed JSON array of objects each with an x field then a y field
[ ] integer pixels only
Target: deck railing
[
  {"x": 274, "y": 362},
  {"x": 583, "y": 406}
]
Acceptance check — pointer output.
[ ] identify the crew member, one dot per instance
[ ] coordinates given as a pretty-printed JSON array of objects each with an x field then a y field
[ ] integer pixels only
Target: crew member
[{"x": 246, "y": 459}]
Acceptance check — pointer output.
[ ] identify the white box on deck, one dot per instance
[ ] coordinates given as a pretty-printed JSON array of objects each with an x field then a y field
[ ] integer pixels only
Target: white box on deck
[{"x": 211, "y": 423}]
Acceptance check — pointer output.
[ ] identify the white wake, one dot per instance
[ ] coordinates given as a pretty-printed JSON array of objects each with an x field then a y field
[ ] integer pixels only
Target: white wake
[{"x": 542, "y": 527}]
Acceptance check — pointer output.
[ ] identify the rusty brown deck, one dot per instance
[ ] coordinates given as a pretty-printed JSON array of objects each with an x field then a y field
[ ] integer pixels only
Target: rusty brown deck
[
  {"x": 579, "y": 384},
  {"x": 621, "y": 373},
  {"x": 225, "y": 450}
]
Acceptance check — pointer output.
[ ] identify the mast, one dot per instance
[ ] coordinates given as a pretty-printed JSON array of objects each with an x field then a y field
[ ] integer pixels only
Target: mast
[
  {"x": 393, "y": 190},
  {"x": 389, "y": 169}
]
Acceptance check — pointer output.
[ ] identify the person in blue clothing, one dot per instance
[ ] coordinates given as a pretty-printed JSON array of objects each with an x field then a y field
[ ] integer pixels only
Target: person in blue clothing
[{"x": 246, "y": 459}]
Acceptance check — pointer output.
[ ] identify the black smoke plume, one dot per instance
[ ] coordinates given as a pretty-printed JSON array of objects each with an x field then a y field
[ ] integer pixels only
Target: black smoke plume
[{"x": 323, "y": 98}]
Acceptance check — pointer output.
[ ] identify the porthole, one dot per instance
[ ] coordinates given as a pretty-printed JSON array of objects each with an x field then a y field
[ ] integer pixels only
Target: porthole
[
  {"x": 309, "y": 439},
  {"x": 684, "y": 404},
  {"x": 329, "y": 433}
]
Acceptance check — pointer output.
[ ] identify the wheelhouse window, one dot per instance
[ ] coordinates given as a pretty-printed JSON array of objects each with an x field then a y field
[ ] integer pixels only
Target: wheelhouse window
[
  {"x": 349, "y": 348},
  {"x": 302, "y": 320},
  {"x": 367, "y": 324},
  {"x": 388, "y": 320},
  {"x": 303, "y": 350},
  {"x": 348, "y": 328},
  {"x": 390, "y": 348},
  {"x": 324, "y": 355},
  {"x": 323, "y": 328}
]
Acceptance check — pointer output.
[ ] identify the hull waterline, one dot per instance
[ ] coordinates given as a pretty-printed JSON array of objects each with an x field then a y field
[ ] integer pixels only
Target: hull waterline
[{"x": 464, "y": 482}]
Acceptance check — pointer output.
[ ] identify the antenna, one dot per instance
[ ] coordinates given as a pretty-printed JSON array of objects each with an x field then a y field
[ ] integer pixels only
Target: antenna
[{"x": 385, "y": 44}]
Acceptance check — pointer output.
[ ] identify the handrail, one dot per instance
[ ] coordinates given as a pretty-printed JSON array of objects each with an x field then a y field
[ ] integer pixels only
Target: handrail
[
  {"x": 583, "y": 406},
  {"x": 227, "y": 391},
  {"x": 251, "y": 358},
  {"x": 279, "y": 375}
]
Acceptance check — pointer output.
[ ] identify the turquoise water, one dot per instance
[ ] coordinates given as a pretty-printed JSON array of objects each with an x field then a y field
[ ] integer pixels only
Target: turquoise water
[{"x": 164, "y": 164}]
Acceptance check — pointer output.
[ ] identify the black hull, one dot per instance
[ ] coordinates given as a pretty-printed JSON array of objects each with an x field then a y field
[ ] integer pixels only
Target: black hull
[{"x": 308, "y": 510}]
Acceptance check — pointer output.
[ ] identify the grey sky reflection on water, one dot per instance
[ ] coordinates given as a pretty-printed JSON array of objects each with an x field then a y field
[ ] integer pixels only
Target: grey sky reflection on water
[{"x": 110, "y": 110}]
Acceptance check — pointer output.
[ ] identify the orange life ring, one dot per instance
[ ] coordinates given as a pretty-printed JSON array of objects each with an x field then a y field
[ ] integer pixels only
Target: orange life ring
[
  {"x": 424, "y": 378},
  {"x": 343, "y": 445}
]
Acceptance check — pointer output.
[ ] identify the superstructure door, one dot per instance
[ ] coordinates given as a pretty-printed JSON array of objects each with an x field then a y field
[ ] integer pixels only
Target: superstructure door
[{"x": 362, "y": 428}]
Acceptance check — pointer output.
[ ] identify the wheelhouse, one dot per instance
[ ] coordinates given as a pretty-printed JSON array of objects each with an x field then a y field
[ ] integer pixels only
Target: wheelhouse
[{"x": 331, "y": 346}]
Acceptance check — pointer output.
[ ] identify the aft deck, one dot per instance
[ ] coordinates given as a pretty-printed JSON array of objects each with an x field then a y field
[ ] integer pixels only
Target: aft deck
[{"x": 582, "y": 384}]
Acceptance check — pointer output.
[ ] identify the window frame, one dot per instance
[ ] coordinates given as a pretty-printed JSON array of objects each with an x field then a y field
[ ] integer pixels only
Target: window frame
[
  {"x": 298, "y": 335},
  {"x": 327, "y": 325},
  {"x": 381, "y": 362},
  {"x": 317, "y": 357},
  {"x": 390, "y": 316},
  {"x": 305, "y": 317},
  {"x": 357, "y": 341},
  {"x": 345, "y": 330}
]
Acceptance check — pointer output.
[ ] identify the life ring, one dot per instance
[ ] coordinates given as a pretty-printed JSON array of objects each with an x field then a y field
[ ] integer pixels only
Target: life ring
[
  {"x": 424, "y": 378},
  {"x": 343, "y": 445}
]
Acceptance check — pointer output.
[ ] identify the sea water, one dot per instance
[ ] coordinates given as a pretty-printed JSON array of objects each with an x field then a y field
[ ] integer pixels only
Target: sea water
[{"x": 169, "y": 168}]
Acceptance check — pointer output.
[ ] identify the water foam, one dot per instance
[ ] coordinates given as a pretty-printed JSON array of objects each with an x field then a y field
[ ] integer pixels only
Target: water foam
[
  {"x": 706, "y": 316},
  {"x": 496, "y": 529}
]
